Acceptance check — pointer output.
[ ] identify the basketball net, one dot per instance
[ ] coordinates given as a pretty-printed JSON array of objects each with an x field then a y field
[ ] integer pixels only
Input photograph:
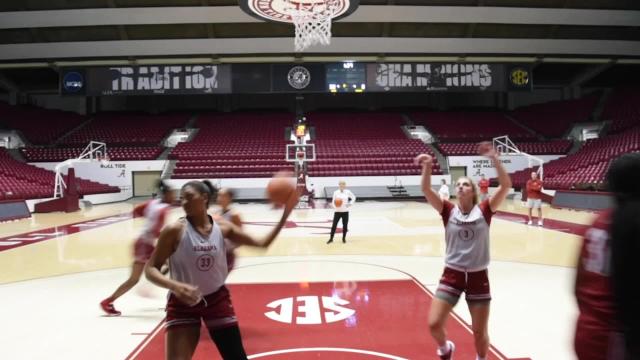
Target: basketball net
[
  {"x": 103, "y": 159},
  {"x": 312, "y": 22},
  {"x": 301, "y": 156}
]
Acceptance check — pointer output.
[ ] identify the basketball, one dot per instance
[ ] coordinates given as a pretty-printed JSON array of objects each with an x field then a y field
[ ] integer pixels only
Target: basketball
[
  {"x": 281, "y": 189},
  {"x": 338, "y": 202}
]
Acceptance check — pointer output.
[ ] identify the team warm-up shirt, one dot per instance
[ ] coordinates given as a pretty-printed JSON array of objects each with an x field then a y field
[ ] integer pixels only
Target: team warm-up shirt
[
  {"x": 200, "y": 260},
  {"x": 467, "y": 236},
  {"x": 155, "y": 212}
]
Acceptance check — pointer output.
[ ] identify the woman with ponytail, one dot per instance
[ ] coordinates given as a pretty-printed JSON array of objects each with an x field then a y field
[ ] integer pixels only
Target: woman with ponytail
[
  {"x": 624, "y": 181},
  {"x": 155, "y": 212},
  {"x": 228, "y": 213},
  {"x": 609, "y": 320},
  {"x": 196, "y": 250}
]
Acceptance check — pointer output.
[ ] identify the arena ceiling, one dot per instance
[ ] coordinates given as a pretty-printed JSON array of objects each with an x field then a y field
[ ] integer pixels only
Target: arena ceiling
[{"x": 569, "y": 42}]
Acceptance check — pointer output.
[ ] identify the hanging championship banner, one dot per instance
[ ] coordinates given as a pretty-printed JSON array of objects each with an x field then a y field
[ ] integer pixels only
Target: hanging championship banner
[
  {"x": 154, "y": 80},
  {"x": 435, "y": 77}
]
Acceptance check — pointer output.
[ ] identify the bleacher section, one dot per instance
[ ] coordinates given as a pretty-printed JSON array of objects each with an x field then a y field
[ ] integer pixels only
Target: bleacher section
[
  {"x": 121, "y": 153},
  {"x": 124, "y": 128},
  {"x": 554, "y": 119},
  {"x": 364, "y": 144},
  {"x": 39, "y": 126},
  {"x": 252, "y": 144},
  {"x": 234, "y": 146},
  {"x": 454, "y": 126},
  {"x": 587, "y": 167},
  {"x": 622, "y": 109},
  {"x": 22, "y": 181},
  {"x": 534, "y": 148},
  {"x": 129, "y": 136}
]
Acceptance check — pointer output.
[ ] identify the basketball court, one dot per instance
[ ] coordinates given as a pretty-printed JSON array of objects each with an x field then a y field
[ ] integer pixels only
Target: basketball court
[
  {"x": 299, "y": 299},
  {"x": 331, "y": 90}
]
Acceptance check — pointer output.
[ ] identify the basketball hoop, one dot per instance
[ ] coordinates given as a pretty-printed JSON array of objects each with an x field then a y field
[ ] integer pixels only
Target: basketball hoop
[
  {"x": 104, "y": 160},
  {"x": 301, "y": 156},
  {"x": 312, "y": 20}
]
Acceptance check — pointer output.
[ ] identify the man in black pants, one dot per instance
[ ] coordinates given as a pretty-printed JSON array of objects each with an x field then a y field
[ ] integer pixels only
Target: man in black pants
[{"x": 341, "y": 200}]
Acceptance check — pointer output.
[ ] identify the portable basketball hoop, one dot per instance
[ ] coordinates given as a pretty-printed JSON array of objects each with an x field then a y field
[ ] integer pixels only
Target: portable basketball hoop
[
  {"x": 104, "y": 159},
  {"x": 504, "y": 146},
  {"x": 300, "y": 153},
  {"x": 312, "y": 20},
  {"x": 95, "y": 151}
]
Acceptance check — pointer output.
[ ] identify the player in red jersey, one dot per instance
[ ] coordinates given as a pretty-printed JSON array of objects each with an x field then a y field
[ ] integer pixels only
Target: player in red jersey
[
  {"x": 228, "y": 213},
  {"x": 483, "y": 184},
  {"x": 534, "y": 197},
  {"x": 608, "y": 326},
  {"x": 155, "y": 212},
  {"x": 623, "y": 179},
  {"x": 598, "y": 334}
]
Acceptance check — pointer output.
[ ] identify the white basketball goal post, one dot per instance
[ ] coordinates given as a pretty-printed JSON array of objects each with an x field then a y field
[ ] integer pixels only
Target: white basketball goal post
[
  {"x": 504, "y": 146},
  {"x": 95, "y": 151}
]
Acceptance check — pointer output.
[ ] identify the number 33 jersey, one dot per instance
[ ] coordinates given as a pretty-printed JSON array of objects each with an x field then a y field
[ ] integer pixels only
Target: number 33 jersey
[{"x": 200, "y": 260}]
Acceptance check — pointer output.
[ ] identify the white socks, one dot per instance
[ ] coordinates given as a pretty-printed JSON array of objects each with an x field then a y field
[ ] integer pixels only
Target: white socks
[{"x": 444, "y": 348}]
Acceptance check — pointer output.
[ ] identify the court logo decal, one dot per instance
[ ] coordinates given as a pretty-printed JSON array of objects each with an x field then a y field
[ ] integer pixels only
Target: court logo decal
[{"x": 309, "y": 310}]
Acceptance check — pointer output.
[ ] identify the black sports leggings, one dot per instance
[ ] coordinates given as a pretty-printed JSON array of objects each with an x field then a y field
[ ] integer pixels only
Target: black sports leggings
[
  {"x": 345, "y": 223},
  {"x": 229, "y": 343}
]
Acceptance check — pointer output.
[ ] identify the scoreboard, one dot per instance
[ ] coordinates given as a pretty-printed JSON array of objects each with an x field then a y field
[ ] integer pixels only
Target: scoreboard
[{"x": 346, "y": 77}]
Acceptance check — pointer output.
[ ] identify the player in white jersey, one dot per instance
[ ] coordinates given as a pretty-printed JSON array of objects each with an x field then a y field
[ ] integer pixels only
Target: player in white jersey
[
  {"x": 467, "y": 253},
  {"x": 155, "y": 212},
  {"x": 228, "y": 213},
  {"x": 341, "y": 201},
  {"x": 195, "y": 248}
]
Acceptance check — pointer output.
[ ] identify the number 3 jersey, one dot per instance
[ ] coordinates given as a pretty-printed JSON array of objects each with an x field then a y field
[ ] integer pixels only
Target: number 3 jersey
[
  {"x": 593, "y": 286},
  {"x": 200, "y": 260},
  {"x": 467, "y": 236}
]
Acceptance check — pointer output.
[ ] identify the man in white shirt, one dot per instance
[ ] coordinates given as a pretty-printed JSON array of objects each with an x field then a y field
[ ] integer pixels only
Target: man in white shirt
[
  {"x": 444, "y": 190},
  {"x": 341, "y": 201}
]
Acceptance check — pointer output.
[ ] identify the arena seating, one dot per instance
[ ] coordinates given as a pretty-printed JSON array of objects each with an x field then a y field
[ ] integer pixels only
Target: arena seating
[
  {"x": 534, "y": 148},
  {"x": 364, "y": 144},
  {"x": 121, "y": 153},
  {"x": 39, "y": 126},
  {"x": 22, "y": 181},
  {"x": 127, "y": 128},
  {"x": 463, "y": 126},
  {"x": 588, "y": 166},
  {"x": 253, "y": 145},
  {"x": 554, "y": 119},
  {"x": 622, "y": 109},
  {"x": 233, "y": 146}
]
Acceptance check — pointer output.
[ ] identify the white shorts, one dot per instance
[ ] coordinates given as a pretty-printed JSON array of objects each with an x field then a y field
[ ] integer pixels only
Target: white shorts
[{"x": 534, "y": 203}]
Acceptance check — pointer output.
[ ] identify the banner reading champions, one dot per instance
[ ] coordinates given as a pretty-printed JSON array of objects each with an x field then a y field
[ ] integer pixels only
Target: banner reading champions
[
  {"x": 295, "y": 78},
  {"x": 155, "y": 80},
  {"x": 435, "y": 77}
]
